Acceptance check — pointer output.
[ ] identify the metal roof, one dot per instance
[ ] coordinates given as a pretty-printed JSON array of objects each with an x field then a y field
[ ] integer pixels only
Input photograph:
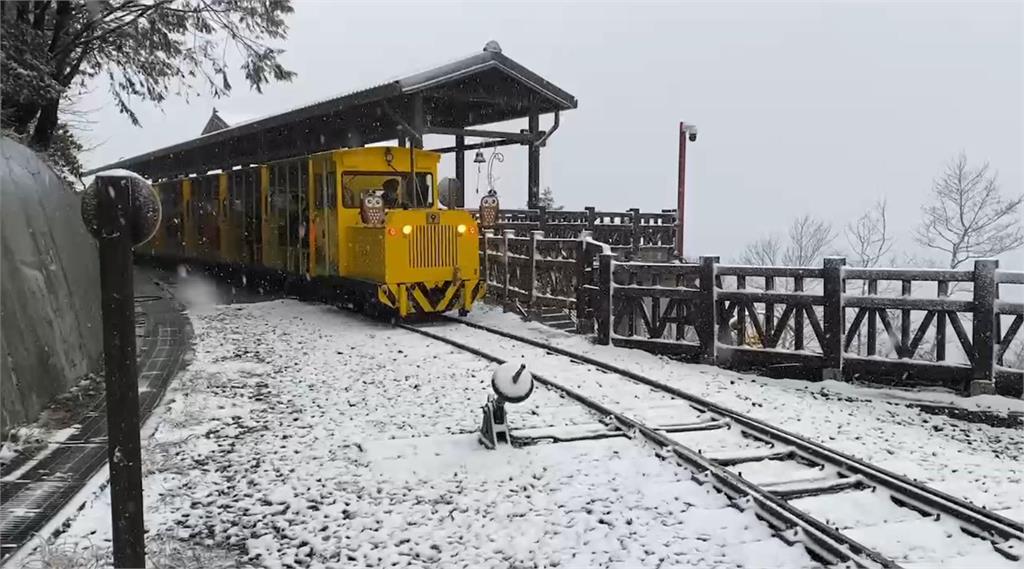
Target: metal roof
[{"x": 486, "y": 87}]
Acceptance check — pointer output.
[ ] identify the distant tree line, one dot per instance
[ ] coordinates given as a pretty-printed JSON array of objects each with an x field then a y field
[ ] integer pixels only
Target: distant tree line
[{"x": 967, "y": 217}]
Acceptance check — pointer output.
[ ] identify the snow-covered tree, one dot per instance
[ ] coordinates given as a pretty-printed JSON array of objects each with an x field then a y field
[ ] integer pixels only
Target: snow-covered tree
[
  {"x": 146, "y": 49},
  {"x": 547, "y": 199},
  {"x": 968, "y": 216}
]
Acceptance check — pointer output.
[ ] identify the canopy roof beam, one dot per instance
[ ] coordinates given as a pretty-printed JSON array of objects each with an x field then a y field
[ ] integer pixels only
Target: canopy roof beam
[
  {"x": 475, "y": 146},
  {"x": 520, "y": 137}
]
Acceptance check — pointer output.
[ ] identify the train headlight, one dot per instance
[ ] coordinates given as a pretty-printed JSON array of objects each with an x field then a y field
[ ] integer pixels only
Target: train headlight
[
  {"x": 406, "y": 229},
  {"x": 392, "y": 231},
  {"x": 461, "y": 229}
]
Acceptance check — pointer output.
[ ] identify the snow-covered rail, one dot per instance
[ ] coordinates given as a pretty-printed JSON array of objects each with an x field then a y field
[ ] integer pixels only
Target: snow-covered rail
[{"x": 842, "y": 509}]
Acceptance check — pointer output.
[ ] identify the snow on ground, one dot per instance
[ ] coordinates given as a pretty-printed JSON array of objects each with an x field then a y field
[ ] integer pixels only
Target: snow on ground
[
  {"x": 305, "y": 436},
  {"x": 974, "y": 461}
]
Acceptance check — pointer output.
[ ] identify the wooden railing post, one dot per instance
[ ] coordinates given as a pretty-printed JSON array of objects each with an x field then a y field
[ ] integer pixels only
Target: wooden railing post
[
  {"x": 542, "y": 218},
  {"x": 591, "y": 217},
  {"x": 872, "y": 320},
  {"x": 485, "y": 262},
  {"x": 833, "y": 321},
  {"x": 606, "y": 287},
  {"x": 635, "y": 238},
  {"x": 983, "y": 376},
  {"x": 505, "y": 305},
  {"x": 941, "y": 319},
  {"x": 670, "y": 222},
  {"x": 707, "y": 312},
  {"x": 531, "y": 293},
  {"x": 906, "y": 290},
  {"x": 583, "y": 266}
]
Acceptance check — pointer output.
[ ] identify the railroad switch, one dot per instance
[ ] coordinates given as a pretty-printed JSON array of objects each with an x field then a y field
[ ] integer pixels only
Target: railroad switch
[
  {"x": 495, "y": 426},
  {"x": 512, "y": 383}
]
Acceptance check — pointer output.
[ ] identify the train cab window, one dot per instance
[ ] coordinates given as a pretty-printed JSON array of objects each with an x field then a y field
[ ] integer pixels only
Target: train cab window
[
  {"x": 393, "y": 186},
  {"x": 423, "y": 196}
]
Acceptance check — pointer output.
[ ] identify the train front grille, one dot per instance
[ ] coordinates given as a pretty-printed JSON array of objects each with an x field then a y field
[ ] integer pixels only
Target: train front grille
[{"x": 433, "y": 246}]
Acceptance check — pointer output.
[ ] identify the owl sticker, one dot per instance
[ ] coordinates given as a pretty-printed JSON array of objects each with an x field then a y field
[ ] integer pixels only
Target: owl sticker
[
  {"x": 371, "y": 209},
  {"x": 489, "y": 210}
]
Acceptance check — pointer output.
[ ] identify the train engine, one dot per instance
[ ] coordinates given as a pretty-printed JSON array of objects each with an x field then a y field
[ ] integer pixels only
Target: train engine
[{"x": 419, "y": 256}]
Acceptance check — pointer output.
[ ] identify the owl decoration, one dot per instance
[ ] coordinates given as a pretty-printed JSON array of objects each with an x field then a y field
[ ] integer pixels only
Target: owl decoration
[
  {"x": 489, "y": 210},
  {"x": 371, "y": 209}
]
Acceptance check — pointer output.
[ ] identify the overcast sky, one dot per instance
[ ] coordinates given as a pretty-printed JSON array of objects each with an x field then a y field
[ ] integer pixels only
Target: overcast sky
[{"x": 802, "y": 107}]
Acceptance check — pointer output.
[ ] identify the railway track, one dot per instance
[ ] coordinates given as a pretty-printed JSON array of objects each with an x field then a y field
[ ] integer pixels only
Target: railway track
[{"x": 843, "y": 510}]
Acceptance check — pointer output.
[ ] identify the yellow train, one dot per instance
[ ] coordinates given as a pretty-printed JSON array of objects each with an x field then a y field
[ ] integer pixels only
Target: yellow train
[{"x": 355, "y": 222}]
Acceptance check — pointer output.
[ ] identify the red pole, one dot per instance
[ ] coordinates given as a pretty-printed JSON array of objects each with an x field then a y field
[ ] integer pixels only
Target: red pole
[{"x": 681, "y": 203}]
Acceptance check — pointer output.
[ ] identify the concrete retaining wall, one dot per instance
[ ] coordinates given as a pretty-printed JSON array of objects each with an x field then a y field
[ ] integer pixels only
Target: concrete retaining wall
[{"x": 50, "y": 326}]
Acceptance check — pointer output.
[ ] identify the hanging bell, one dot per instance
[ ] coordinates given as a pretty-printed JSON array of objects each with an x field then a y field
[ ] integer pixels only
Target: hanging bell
[{"x": 479, "y": 159}]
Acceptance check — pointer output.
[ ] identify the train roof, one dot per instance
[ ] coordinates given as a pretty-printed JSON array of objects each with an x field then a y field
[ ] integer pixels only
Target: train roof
[{"x": 484, "y": 88}]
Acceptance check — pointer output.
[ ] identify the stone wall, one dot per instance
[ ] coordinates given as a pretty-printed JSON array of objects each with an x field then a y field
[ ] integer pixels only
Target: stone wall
[{"x": 50, "y": 325}]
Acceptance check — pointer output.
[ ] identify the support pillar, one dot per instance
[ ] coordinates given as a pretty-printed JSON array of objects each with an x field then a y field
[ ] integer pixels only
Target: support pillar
[
  {"x": 415, "y": 141},
  {"x": 533, "y": 164},
  {"x": 460, "y": 162},
  {"x": 419, "y": 121}
]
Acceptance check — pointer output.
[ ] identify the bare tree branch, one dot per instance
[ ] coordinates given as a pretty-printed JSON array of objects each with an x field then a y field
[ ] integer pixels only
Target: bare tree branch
[
  {"x": 808, "y": 240},
  {"x": 968, "y": 217},
  {"x": 869, "y": 237},
  {"x": 765, "y": 251}
]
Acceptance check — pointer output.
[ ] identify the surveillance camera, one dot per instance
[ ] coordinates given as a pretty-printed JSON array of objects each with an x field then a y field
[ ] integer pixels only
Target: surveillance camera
[
  {"x": 693, "y": 136},
  {"x": 691, "y": 131}
]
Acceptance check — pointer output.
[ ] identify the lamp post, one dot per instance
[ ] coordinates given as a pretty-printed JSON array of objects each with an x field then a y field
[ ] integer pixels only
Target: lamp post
[
  {"x": 686, "y": 132},
  {"x": 122, "y": 210}
]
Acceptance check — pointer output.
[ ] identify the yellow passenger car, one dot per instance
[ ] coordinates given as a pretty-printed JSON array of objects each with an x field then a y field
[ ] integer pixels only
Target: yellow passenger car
[{"x": 363, "y": 224}]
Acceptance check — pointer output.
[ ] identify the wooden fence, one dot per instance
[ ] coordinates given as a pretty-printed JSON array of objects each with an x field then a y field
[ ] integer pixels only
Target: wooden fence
[
  {"x": 925, "y": 326},
  {"x": 530, "y": 274},
  {"x": 813, "y": 321},
  {"x": 631, "y": 234}
]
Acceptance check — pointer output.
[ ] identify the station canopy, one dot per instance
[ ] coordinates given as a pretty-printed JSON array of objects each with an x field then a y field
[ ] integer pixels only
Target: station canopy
[{"x": 484, "y": 88}]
